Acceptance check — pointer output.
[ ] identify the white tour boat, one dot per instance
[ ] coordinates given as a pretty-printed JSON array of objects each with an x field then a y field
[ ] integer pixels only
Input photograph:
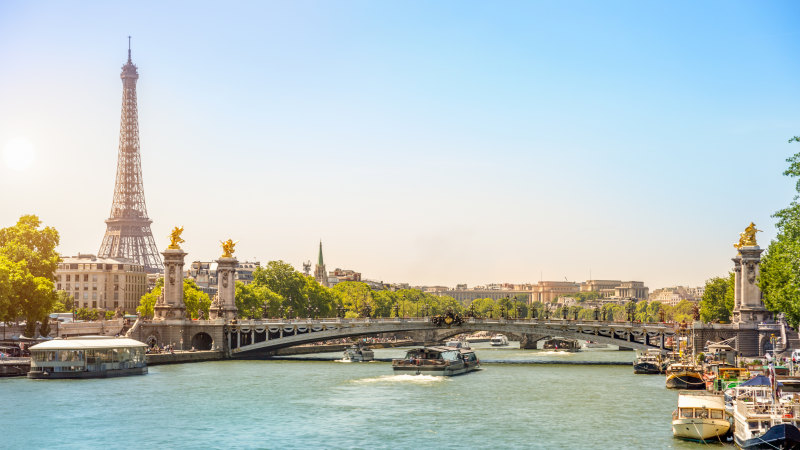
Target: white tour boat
[{"x": 499, "y": 340}]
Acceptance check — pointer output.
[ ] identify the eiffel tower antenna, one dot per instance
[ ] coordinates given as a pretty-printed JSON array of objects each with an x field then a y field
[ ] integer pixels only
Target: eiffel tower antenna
[{"x": 128, "y": 232}]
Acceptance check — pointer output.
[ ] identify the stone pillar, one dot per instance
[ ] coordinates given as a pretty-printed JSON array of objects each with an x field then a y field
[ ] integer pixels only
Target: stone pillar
[
  {"x": 224, "y": 304},
  {"x": 170, "y": 304},
  {"x": 748, "y": 307}
]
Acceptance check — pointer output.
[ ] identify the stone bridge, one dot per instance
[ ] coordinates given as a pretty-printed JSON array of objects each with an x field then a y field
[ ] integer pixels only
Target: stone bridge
[{"x": 258, "y": 338}]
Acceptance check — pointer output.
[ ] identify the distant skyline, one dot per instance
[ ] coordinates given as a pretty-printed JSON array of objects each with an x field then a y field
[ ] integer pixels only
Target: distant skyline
[{"x": 429, "y": 143}]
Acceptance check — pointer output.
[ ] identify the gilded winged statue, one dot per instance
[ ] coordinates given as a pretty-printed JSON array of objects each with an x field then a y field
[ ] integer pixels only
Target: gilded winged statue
[
  {"x": 227, "y": 248},
  {"x": 748, "y": 237},
  {"x": 175, "y": 238}
]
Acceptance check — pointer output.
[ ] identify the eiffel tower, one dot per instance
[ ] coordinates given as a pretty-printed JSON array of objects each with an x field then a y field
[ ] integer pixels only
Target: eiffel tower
[{"x": 128, "y": 232}]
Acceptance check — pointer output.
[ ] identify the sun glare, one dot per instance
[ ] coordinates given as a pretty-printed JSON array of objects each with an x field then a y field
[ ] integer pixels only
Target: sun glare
[{"x": 19, "y": 154}]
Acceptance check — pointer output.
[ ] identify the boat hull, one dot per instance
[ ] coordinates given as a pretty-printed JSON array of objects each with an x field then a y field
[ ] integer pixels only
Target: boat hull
[
  {"x": 433, "y": 370},
  {"x": 87, "y": 374},
  {"x": 685, "y": 380},
  {"x": 700, "y": 429},
  {"x": 647, "y": 368},
  {"x": 783, "y": 436}
]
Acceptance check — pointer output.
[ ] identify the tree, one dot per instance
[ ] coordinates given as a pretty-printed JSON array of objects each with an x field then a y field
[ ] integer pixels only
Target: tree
[
  {"x": 194, "y": 299},
  {"x": 718, "y": 299},
  {"x": 683, "y": 311},
  {"x": 28, "y": 261},
  {"x": 354, "y": 296},
  {"x": 780, "y": 267}
]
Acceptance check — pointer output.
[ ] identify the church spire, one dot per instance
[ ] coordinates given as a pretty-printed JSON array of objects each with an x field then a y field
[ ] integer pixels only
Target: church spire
[{"x": 320, "y": 274}]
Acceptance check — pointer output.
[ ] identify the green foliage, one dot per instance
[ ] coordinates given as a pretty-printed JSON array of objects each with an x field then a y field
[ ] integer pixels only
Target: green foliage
[
  {"x": 683, "y": 311},
  {"x": 718, "y": 299},
  {"x": 28, "y": 261},
  {"x": 194, "y": 299},
  {"x": 87, "y": 314},
  {"x": 780, "y": 266}
]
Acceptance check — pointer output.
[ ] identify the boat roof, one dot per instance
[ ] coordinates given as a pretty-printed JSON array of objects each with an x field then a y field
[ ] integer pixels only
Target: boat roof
[
  {"x": 89, "y": 342},
  {"x": 700, "y": 400}
]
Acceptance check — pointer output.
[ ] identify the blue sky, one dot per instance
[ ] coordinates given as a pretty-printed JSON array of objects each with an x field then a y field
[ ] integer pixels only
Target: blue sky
[{"x": 423, "y": 142}]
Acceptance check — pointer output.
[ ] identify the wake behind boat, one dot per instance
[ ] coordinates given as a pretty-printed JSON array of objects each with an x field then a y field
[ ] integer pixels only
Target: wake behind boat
[{"x": 442, "y": 361}]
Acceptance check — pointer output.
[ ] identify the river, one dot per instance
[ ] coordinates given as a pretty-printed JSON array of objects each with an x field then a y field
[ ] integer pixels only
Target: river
[{"x": 300, "y": 404}]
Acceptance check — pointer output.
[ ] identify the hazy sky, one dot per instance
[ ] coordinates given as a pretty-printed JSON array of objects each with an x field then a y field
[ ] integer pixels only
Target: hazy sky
[{"x": 424, "y": 142}]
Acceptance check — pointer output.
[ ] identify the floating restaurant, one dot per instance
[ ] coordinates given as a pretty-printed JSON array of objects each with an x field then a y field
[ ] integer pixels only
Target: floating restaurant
[{"x": 88, "y": 357}]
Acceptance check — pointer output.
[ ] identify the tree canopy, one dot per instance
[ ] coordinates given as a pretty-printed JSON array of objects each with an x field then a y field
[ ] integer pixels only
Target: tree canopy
[
  {"x": 28, "y": 261},
  {"x": 194, "y": 299},
  {"x": 718, "y": 299},
  {"x": 780, "y": 266}
]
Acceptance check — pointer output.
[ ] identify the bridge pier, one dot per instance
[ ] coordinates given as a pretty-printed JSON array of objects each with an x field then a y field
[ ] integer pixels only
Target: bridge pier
[{"x": 529, "y": 341}]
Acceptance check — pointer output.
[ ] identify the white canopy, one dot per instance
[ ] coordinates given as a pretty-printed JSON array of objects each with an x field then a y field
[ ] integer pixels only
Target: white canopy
[{"x": 89, "y": 342}]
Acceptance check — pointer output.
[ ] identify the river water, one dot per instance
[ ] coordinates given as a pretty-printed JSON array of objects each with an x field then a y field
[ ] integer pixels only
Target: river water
[{"x": 301, "y": 404}]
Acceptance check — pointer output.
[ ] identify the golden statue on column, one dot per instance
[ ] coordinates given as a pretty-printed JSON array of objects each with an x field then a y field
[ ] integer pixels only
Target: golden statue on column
[
  {"x": 175, "y": 238},
  {"x": 748, "y": 237},
  {"x": 227, "y": 248}
]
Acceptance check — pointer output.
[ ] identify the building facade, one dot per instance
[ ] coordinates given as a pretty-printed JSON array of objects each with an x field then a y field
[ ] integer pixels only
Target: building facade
[
  {"x": 204, "y": 274},
  {"x": 102, "y": 283}
]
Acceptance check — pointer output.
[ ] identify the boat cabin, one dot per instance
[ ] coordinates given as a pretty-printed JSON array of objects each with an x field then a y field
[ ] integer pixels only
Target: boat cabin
[{"x": 88, "y": 357}]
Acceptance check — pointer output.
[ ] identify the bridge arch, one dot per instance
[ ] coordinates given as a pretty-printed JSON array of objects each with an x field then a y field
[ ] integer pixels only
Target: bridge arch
[
  {"x": 244, "y": 342},
  {"x": 202, "y": 341}
]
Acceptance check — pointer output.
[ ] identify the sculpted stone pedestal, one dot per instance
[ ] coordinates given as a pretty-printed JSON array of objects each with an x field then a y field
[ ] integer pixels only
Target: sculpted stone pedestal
[
  {"x": 170, "y": 304},
  {"x": 748, "y": 307},
  {"x": 224, "y": 304}
]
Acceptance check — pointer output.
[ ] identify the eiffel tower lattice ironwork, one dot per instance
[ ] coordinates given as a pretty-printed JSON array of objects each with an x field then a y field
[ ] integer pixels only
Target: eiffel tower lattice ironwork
[{"x": 128, "y": 232}]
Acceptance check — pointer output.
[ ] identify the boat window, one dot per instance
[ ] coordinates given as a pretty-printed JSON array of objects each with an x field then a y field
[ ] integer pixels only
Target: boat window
[
  {"x": 753, "y": 425},
  {"x": 686, "y": 413},
  {"x": 450, "y": 356},
  {"x": 765, "y": 424},
  {"x": 716, "y": 414}
]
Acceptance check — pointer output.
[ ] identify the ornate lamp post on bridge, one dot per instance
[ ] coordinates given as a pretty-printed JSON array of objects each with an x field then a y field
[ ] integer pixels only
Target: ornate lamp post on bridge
[{"x": 396, "y": 309}]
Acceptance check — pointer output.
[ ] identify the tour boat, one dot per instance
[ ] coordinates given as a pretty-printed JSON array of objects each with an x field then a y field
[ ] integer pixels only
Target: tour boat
[
  {"x": 650, "y": 362},
  {"x": 88, "y": 357},
  {"x": 442, "y": 361},
  {"x": 499, "y": 340},
  {"x": 358, "y": 353},
  {"x": 761, "y": 420},
  {"x": 682, "y": 375},
  {"x": 562, "y": 345},
  {"x": 700, "y": 417}
]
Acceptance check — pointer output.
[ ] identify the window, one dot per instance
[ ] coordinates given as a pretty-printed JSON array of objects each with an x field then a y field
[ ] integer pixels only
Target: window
[
  {"x": 116, "y": 278},
  {"x": 716, "y": 414},
  {"x": 68, "y": 277},
  {"x": 86, "y": 277},
  {"x": 94, "y": 295},
  {"x": 94, "y": 305},
  {"x": 116, "y": 296},
  {"x": 94, "y": 277},
  {"x": 94, "y": 286},
  {"x": 85, "y": 297},
  {"x": 116, "y": 304},
  {"x": 58, "y": 287}
]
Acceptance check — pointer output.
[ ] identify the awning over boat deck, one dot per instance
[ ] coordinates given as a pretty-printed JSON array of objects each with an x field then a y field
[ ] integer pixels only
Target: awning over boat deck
[{"x": 759, "y": 380}]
